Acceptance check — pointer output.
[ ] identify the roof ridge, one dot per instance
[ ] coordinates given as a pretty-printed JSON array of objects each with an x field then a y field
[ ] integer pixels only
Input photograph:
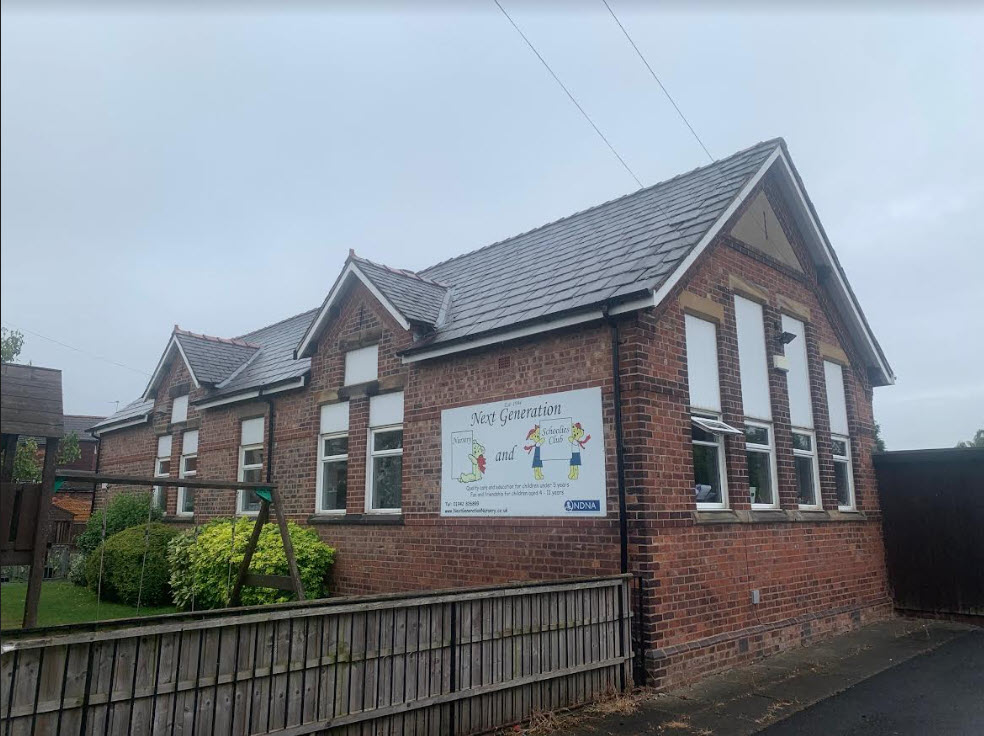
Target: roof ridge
[
  {"x": 402, "y": 272},
  {"x": 212, "y": 338},
  {"x": 652, "y": 187},
  {"x": 278, "y": 322}
]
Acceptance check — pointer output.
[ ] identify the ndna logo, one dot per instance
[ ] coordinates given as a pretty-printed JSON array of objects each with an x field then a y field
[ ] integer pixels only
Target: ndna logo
[{"x": 582, "y": 506}]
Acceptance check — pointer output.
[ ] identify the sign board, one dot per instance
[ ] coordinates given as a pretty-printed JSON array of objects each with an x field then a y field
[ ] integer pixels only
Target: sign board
[{"x": 536, "y": 456}]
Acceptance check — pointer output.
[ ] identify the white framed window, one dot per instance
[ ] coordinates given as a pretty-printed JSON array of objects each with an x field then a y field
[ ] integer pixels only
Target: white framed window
[
  {"x": 250, "y": 464},
  {"x": 840, "y": 437},
  {"x": 843, "y": 473},
  {"x": 384, "y": 475},
  {"x": 332, "y": 483},
  {"x": 798, "y": 374},
  {"x": 760, "y": 456},
  {"x": 361, "y": 365},
  {"x": 710, "y": 471},
  {"x": 179, "y": 409},
  {"x": 162, "y": 469},
  {"x": 702, "y": 364},
  {"x": 188, "y": 469},
  {"x": 753, "y": 360},
  {"x": 807, "y": 469}
]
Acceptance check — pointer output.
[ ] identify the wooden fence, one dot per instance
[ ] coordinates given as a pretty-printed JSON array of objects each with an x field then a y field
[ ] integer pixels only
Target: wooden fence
[{"x": 445, "y": 662}]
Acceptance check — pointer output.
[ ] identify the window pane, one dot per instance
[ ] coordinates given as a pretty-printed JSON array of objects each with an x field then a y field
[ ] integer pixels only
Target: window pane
[
  {"x": 702, "y": 435},
  {"x": 842, "y": 480},
  {"x": 757, "y": 435},
  {"x": 840, "y": 447},
  {"x": 251, "y": 502},
  {"x": 391, "y": 440},
  {"x": 188, "y": 501},
  {"x": 387, "y": 481},
  {"x": 707, "y": 478},
  {"x": 336, "y": 446},
  {"x": 253, "y": 457},
  {"x": 804, "y": 481},
  {"x": 252, "y": 476},
  {"x": 760, "y": 477},
  {"x": 163, "y": 467},
  {"x": 158, "y": 498},
  {"x": 191, "y": 464},
  {"x": 802, "y": 442},
  {"x": 334, "y": 484}
]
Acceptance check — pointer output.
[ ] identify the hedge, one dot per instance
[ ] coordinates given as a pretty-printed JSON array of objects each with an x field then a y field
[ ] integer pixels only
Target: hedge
[
  {"x": 206, "y": 569},
  {"x": 123, "y": 511},
  {"x": 122, "y": 560}
]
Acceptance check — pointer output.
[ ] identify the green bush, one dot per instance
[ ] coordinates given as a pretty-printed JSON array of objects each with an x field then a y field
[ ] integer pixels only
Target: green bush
[
  {"x": 208, "y": 567},
  {"x": 122, "y": 558},
  {"x": 123, "y": 511},
  {"x": 76, "y": 569}
]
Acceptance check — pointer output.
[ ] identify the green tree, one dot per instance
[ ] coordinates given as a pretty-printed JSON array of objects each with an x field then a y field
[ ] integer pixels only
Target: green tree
[
  {"x": 879, "y": 442},
  {"x": 978, "y": 440},
  {"x": 12, "y": 344},
  {"x": 27, "y": 460}
]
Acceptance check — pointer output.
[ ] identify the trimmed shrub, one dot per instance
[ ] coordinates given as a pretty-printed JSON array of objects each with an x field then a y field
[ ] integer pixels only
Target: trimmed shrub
[
  {"x": 123, "y": 558},
  {"x": 208, "y": 567},
  {"x": 76, "y": 569},
  {"x": 123, "y": 511}
]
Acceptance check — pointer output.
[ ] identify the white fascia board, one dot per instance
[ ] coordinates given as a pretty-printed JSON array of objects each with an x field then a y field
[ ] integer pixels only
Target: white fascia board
[
  {"x": 351, "y": 269},
  {"x": 828, "y": 255},
  {"x": 684, "y": 266},
  {"x": 97, "y": 431},
  {"x": 498, "y": 337},
  {"x": 254, "y": 394},
  {"x": 158, "y": 371},
  {"x": 232, "y": 399}
]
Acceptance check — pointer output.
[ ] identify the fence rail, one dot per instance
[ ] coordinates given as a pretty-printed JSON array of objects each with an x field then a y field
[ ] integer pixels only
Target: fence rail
[{"x": 448, "y": 662}]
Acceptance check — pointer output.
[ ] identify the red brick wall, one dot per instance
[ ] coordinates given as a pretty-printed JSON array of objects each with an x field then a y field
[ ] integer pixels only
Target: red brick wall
[{"x": 815, "y": 575}]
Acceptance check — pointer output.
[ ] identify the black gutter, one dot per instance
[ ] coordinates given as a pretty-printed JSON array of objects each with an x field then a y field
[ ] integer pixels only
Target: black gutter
[{"x": 623, "y": 522}]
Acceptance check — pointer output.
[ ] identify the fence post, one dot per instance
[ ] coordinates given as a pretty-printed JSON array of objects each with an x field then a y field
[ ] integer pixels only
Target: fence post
[{"x": 453, "y": 685}]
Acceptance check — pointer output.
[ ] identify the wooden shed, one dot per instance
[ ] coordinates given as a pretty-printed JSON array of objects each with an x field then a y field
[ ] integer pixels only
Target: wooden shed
[{"x": 30, "y": 406}]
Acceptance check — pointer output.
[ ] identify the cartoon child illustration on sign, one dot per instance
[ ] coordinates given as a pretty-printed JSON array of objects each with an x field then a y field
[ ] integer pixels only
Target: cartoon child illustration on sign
[
  {"x": 536, "y": 437},
  {"x": 477, "y": 458},
  {"x": 578, "y": 440}
]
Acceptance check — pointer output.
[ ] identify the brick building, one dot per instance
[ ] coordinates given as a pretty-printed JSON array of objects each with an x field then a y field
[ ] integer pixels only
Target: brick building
[{"x": 703, "y": 326}]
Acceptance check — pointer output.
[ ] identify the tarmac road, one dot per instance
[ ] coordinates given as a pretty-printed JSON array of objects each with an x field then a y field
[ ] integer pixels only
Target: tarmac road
[{"x": 938, "y": 693}]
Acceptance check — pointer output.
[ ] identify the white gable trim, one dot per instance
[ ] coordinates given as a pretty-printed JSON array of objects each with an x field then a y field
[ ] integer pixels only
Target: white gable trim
[
  {"x": 351, "y": 269},
  {"x": 162, "y": 364},
  {"x": 97, "y": 431},
  {"x": 846, "y": 297}
]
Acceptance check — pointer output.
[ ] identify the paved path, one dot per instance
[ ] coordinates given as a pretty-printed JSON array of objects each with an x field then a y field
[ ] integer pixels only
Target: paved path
[
  {"x": 940, "y": 692},
  {"x": 901, "y": 676}
]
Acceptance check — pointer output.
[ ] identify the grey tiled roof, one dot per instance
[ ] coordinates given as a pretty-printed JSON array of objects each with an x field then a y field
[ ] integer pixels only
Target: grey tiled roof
[
  {"x": 80, "y": 424},
  {"x": 417, "y": 298},
  {"x": 274, "y": 362},
  {"x": 612, "y": 251},
  {"x": 212, "y": 359},
  {"x": 133, "y": 410}
]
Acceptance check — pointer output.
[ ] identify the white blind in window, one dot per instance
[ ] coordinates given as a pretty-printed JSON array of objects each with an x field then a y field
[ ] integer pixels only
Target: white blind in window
[
  {"x": 335, "y": 418},
  {"x": 833, "y": 376},
  {"x": 189, "y": 442},
  {"x": 253, "y": 431},
  {"x": 179, "y": 409},
  {"x": 752, "y": 359},
  {"x": 386, "y": 409},
  {"x": 702, "y": 364},
  {"x": 362, "y": 365},
  {"x": 798, "y": 376},
  {"x": 164, "y": 446}
]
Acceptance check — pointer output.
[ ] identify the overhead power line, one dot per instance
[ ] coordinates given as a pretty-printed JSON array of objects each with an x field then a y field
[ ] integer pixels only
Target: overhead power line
[
  {"x": 571, "y": 96},
  {"x": 661, "y": 86},
  {"x": 77, "y": 350}
]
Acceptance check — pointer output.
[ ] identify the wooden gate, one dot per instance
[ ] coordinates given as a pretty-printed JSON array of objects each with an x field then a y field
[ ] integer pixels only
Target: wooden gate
[
  {"x": 443, "y": 662},
  {"x": 933, "y": 517}
]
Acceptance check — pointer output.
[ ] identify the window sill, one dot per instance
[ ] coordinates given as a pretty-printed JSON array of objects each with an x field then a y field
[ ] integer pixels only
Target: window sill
[
  {"x": 178, "y": 519},
  {"x": 848, "y": 515},
  {"x": 774, "y": 516},
  {"x": 717, "y": 516},
  {"x": 357, "y": 519}
]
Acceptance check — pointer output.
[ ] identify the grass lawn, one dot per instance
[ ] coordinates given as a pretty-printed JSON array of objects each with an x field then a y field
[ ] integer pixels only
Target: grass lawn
[{"x": 64, "y": 603}]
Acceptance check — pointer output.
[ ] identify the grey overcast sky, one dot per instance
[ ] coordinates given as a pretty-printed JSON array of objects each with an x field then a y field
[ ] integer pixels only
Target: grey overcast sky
[{"x": 211, "y": 168}]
